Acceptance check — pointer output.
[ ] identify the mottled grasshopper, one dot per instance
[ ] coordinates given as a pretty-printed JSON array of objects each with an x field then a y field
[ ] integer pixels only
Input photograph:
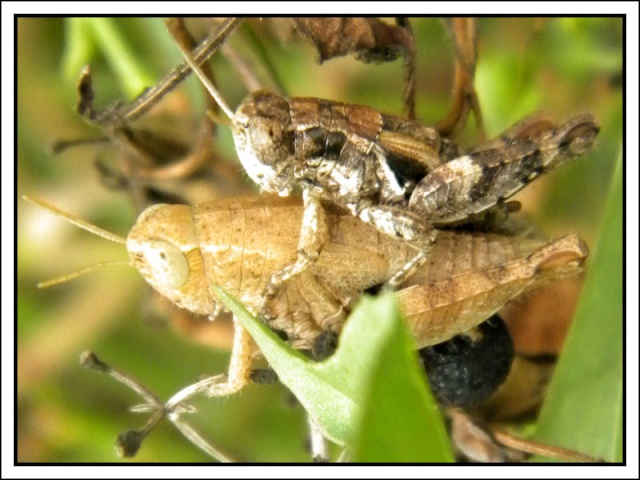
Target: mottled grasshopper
[{"x": 397, "y": 175}]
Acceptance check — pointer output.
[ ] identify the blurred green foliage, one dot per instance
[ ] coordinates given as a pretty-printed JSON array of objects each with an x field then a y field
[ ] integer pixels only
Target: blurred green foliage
[
  {"x": 587, "y": 385},
  {"x": 67, "y": 414}
]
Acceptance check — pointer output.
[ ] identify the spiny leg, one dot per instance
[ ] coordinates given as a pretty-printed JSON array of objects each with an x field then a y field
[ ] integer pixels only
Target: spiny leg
[
  {"x": 408, "y": 269},
  {"x": 237, "y": 377}
]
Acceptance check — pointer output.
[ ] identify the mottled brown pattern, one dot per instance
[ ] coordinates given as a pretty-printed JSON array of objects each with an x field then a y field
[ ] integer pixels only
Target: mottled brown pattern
[{"x": 495, "y": 171}]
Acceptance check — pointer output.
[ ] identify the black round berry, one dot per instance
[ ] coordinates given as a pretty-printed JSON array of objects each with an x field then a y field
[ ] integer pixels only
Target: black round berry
[{"x": 465, "y": 370}]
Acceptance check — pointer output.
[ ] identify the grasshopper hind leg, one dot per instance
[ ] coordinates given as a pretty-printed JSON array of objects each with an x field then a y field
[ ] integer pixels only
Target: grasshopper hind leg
[{"x": 398, "y": 223}]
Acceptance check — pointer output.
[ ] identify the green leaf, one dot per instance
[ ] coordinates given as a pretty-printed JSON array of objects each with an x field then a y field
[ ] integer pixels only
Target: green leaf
[
  {"x": 79, "y": 48},
  {"x": 583, "y": 410},
  {"x": 369, "y": 394},
  {"x": 401, "y": 421},
  {"x": 85, "y": 35}
]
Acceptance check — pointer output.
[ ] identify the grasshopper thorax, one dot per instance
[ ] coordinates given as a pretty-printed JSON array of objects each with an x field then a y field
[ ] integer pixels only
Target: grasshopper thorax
[
  {"x": 264, "y": 139},
  {"x": 164, "y": 248}
]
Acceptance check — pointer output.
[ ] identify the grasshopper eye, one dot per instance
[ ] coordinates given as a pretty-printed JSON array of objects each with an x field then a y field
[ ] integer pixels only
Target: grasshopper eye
[
  {"x": 241, "y": 121},
  {"x": 164, "y": 263}
]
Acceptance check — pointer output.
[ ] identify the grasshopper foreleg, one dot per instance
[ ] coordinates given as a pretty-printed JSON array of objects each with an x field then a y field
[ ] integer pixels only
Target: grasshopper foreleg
[
  {"x": 314, "y": 234},
  {"x": 239, "y": 365}
]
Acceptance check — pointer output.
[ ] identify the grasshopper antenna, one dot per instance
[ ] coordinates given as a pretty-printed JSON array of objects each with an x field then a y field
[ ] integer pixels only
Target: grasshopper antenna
[
  {"x": 78, "y": 273},
  {"x": 203, "y": 78},
  {"x": 85, "y": 226},
  {"x": 76, "y": 221}
]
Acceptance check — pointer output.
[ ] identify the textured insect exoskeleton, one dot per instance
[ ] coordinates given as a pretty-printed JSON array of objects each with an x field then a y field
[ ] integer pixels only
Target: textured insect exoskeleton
[
  {"x": 238, "y": 243},
  {"x": 397, "y": 175},
  {"x": 182, "y": 251}
]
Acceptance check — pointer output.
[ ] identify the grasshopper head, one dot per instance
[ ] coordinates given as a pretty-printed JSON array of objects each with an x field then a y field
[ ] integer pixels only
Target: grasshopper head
[
  {"x": 163, "y": 247},
  {"x": 264, "y": 139}
]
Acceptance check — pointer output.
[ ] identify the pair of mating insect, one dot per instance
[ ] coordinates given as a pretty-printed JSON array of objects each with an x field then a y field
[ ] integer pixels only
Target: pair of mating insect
[
  {"x": 397, "y": 175},
  {"x": 302, "y": 268}
]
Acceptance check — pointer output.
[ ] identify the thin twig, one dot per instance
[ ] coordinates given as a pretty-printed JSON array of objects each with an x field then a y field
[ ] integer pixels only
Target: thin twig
[
  {"x": 536, "y": 448},
  {"x": 128, "y": 443},
  {"x": 122, "y": 114}
]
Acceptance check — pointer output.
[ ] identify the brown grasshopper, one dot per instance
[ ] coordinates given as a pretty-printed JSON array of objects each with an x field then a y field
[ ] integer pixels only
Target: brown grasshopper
[
  {"x": 238, "y": 243},
  {"x": 397, "y": 175}
]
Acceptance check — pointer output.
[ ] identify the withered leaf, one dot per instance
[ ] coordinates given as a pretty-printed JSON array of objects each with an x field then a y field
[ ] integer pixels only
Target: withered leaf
[{"x": 370, "y": 39}]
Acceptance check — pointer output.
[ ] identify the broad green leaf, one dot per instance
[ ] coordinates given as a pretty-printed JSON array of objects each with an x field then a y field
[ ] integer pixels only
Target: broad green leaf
[
  {"x": 401, "y": 421},
  {"x": 346, "y": 392},
  {"x": 583, "y": 410}
]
